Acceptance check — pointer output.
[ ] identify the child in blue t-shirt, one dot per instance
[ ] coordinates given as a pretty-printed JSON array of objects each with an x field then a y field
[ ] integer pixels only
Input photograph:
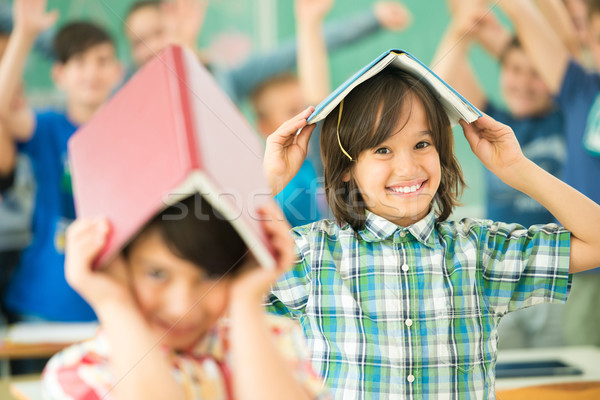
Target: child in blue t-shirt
[
  {"x": 87, "y": 70},
  {"x": 395, "y": 300}
]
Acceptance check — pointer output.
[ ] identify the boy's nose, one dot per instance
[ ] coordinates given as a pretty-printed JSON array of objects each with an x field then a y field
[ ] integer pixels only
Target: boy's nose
[
  {"x": 404, "y": 164},
  {"x": 179, "y": 302}
]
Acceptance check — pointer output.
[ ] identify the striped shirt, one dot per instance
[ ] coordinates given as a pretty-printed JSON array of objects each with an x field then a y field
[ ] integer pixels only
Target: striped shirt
[
  {"x": 82, "y": 371},
  {"x": 411, "y": 313}
]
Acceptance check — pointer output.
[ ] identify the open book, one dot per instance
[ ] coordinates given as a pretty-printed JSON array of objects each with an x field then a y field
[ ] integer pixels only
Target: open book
[
  {"x": 169, "y": 133},
  {"x": 456, "y": 106}
]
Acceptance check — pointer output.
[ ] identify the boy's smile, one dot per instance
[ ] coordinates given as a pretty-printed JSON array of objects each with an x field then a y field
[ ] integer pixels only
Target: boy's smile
[{"x": 399, "y": 178}]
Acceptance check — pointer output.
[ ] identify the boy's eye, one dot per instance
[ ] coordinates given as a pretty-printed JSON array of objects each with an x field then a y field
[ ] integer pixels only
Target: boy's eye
[
  {"x": 156, "y": 273},
  {"x": 383, "y": 150},
  {"x": 422, "y": 145}
]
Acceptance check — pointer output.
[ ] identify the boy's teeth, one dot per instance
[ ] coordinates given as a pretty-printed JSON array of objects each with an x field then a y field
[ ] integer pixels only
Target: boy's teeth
[{"x": 407, "y": 189}]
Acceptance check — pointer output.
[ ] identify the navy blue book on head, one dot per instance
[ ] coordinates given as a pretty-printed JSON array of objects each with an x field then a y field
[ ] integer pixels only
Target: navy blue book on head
[{"x": 456, "y": 106}]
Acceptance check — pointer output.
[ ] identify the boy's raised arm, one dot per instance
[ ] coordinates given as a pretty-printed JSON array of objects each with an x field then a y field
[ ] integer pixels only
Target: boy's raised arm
[
  {"x": 498, "y": 149},
  {"x": 313, "y": 63},
  {"x": 30, "y": 18},
  {"x": 557, "y": 15},
  {"x": 7, "y": 153},
  {"x": 451, "y": 58},
  {"x": 490, "y": 33},
  {"x": 546, "y": 51},
  {"x": 140, "y": 368}
]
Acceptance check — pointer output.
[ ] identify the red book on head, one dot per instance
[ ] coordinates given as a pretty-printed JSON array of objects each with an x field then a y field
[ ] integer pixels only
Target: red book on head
[{"x": 168, "y": 133}]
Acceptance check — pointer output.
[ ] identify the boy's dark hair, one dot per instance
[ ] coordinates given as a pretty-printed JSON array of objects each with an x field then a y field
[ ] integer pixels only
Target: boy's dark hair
[
  {"x": 593, "y": 8},
  {"x": 370, "y": 116},
  {"x": 141, "y": 4},
  {"x": 197, "y": 233},
  {"x": 513, "y": 43},
  {"x": 77, "y": 37}
]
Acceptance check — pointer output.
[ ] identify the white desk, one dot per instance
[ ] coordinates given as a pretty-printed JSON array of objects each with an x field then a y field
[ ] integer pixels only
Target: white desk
[{"x": 585, "y": 358}]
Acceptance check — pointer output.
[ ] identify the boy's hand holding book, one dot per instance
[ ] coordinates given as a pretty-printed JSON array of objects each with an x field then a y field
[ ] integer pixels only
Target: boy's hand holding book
[
  {"x": 496, "y": 146},
  {"x": 285, "y": 151},
  {"x": 254, "y": 281},
  {"x": 85, "y": 238}
]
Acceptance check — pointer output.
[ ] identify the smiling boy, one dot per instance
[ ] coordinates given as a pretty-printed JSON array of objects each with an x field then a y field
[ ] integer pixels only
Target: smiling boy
[{"x": 87, "y": 70}]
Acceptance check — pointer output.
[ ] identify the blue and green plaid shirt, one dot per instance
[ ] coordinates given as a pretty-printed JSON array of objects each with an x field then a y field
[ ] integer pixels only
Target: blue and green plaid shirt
[{"x": 411, "y": 313}]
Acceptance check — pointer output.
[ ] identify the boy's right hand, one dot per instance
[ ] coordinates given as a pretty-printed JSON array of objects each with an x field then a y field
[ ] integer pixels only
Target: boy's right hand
[
  {"x": 30, "y": 16},
  {"x": 285, "y": 152},
  {"x": 85, "y": 238},
  {"x": 312, "y": 10},
  {"x": 392, "y": 15}
]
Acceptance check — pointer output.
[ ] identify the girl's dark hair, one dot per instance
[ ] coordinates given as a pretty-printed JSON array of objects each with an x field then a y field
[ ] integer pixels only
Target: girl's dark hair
[
  {"x": 197, "y": 233},
  {"x": 371, "y": 115}
]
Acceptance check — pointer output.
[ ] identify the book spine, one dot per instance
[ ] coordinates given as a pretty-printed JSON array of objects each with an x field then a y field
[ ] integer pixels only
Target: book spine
[{"x": 183, "y": 108}]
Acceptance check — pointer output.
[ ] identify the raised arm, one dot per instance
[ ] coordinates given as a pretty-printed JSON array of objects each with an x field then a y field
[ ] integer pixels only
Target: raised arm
[
  {"x": 241, "y": 81},
  {"x": 8, "y": 154},
  {"x": 557, "y": 15},
  {"x": 498, "y": 149},
  {"x": 490, "y": 33},
  {"x": 313, "y": 63},
  {"x": 184, "y": 20},
  {"x": 546, "y": 51},
  {"x": 30, "y": 18},
  {"x": 451, "y": 59},
  {"x": 261, "y": 371},
  {"x": 137, "y": 363}
]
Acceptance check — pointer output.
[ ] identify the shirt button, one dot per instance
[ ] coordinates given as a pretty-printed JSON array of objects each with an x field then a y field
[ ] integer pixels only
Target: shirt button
[
  {"x": 402, "y": 233},
  {"x": 405, "y": 268},
  {"x": 410, "y": 378},
  {"x": 408, "y": 322}
]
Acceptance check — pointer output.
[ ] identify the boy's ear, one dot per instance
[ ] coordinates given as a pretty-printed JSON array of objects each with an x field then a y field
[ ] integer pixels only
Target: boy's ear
[
  {"x": 120, "y": 74},
  {"x": 57, "y": 74}
]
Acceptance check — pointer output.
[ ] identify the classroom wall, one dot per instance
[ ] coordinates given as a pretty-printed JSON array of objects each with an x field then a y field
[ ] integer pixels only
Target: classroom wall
[{"x": 253, "y": 25}]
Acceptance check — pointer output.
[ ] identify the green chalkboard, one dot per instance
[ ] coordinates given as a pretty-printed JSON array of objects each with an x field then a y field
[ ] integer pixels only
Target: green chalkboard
[{"x": 262, "y": 23}]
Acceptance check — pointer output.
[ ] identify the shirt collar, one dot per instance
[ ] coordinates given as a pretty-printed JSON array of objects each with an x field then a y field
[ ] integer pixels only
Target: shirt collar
[{"x": 378, "y": 229}]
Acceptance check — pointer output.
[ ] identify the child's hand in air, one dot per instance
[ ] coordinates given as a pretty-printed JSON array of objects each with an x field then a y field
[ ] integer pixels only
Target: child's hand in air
[
  {"x": 495, "y": 145},
  {"x": 31, "y": 17},
  {"x": 392, "y": 15},
  {"x": 312, "y": 10},
  {"x": 85, "y": 239},
  {"x": 254, "y": 281},
  {"x": 285, "y": 152}
]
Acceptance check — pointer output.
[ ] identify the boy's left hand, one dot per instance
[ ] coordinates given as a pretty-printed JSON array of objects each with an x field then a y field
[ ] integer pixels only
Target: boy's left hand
[
  {"x": 254, "y": 281},
  {"x": 312, "y": 10},
  {"x": 495, "y": 144},
  {"x": 392, "y": 15}
]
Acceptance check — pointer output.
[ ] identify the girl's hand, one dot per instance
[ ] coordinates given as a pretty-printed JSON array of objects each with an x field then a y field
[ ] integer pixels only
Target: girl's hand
[
  {"x": 285, "y": 152},
  {"x": 85, "y": 238},
  {"x": 255, "y": 281},
  {"x": 30, "y": 16},
  {"x": 495, "y": 145}
]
